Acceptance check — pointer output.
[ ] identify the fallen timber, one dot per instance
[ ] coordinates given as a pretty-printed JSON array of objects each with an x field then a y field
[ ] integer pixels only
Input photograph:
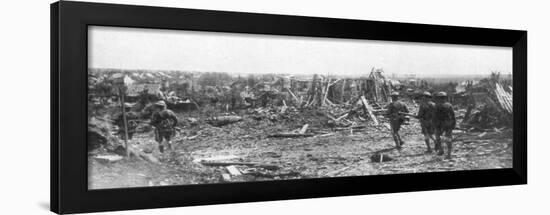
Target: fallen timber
[
  {"x": 226, "y": 164},
  {"x": 223, "y": 120},
  {"x": 369, "y": 110},
  {"x": 289, "y": 135}
]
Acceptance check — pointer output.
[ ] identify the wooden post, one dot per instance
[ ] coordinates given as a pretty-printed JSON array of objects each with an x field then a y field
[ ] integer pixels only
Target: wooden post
[
  {"x": 326, "y": 92},
  {"x": 121, "y": 94},
  {"x": 342, "y": 92}
]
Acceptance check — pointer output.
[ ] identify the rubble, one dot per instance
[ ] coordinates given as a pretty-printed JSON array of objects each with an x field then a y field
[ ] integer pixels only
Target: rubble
[
  {"x": 326, "y": 126},
  {"x": 495, "y": 111},
  {"x": 100, "y": 134}
]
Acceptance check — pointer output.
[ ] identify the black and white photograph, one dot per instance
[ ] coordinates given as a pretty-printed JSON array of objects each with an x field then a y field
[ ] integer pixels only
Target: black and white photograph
[{"x": 181, "y": 107}]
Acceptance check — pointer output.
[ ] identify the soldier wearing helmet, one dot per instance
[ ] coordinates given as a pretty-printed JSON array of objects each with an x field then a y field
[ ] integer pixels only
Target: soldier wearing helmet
[
  {"x": 394, "y": 112},
  {"x": 425, "y": 116},
  {"x": 131, "y": 121},
  {"x": 165, "y": 122},
  {"x": 444, "y": 122}
]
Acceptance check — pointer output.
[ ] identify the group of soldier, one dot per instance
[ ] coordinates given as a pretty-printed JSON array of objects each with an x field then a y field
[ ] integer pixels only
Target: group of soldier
[
  {"x": 436, "y": 116},
  {"x": 163, "y": 120}
]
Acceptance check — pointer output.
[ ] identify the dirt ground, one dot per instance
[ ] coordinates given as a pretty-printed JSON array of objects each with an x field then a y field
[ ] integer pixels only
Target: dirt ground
[{"x": 328, "y": 153}]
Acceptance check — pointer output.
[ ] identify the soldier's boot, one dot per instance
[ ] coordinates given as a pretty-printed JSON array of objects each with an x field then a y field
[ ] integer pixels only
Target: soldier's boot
[
  {"x": 397, "y": 143},
  {"x": 169, "y": 144},
  {"x": 438, "y": 148},
  {"x": 449, "y": 149},
  {"x": 427, "y": 140},
  {"x": 401, "y": 142},
  {"x": 437, "y": 143}
]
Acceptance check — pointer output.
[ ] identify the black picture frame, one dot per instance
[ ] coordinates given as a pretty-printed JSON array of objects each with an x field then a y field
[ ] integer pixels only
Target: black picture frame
[{"x": 69, "y": 190}]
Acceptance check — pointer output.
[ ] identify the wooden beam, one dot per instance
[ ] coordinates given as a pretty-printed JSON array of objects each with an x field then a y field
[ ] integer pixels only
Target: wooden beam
[
  {"x": 341, "y": 117},
  {"x": 283, "y": 109},
  {"x": 334, "y": 82},
  {"x": 289, "y": 135},
  {"x": 369, "y": 110},
  {"x": 325, "y": 93},
  {"x": 125, "y": 122},
  {"x": 293, "y": 96},
  {"x": 265, "y": 166},
  {"x": 304, "y": 129}
]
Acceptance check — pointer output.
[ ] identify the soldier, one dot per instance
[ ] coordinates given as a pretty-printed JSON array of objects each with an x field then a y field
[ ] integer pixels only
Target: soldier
[
  {"x": 267, "y": 94},
  {"x": 394, "y": 113},
  {"x": 247, "y": 97},
  {"x": 132, "y": 120},
  {"x": 444, "y": 122},
  {"x": 165, "y": 122},
  {"x": 425, "y": 115}
]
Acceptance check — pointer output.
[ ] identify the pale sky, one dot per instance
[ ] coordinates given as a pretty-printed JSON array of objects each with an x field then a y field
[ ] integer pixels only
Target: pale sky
[{"x": 135, "y": 48}]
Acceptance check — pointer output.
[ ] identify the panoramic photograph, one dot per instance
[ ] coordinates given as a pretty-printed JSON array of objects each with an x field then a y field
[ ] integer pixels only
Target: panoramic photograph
[{"x": 173, "y": 107}]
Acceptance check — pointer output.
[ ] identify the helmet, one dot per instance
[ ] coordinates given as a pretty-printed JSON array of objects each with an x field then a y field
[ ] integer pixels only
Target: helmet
[
  {"x": 394, "y": 94},
  {"x": 441, "y": 94},
  {"x": 161, "y": 103},
  {"x": 427, "y": 94}
]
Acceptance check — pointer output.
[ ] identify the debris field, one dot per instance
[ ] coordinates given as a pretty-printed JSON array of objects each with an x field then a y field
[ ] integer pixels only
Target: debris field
[{"x": 328, "y": 130}]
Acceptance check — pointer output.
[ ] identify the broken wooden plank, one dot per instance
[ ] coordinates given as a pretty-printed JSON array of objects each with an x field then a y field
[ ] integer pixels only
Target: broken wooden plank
[
  {"x": 482, "y": 134},
  {"x": 191, "y": 137},
  {"x": 304, "y": 129},
  {"x": 289, "y": 135},
  {"x": 379, "y": 110},
  {"x": 325, "y": 93},
  {"x": 215, "y": 158},
  {"x": 325, "y": 135},
  {"x": 330, "y": 117},
  {"x": 369, "y": 110},
  {"x": 351, "y": 127},
  {"x": 233, "y": 170},
  {"x": 265, "y": 166},
  {"x": 341, "y": 117},
  {"x": 283, "y": 109},
  {"x": 294, "y": 96},
  {"x": 223, "y": 120},
  {"x": 108, "y": 158}
]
